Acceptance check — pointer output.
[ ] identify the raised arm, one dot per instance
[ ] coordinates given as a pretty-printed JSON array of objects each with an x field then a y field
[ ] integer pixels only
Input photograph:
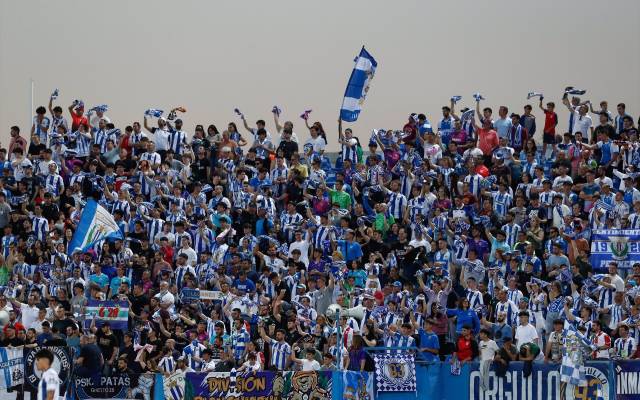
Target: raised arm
[
  {"x": 146, "y": 125},
  {"x": 276, "y": 121}
]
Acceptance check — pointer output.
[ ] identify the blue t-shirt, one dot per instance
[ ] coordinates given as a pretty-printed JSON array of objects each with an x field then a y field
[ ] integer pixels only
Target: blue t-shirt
[
  {"x": 429, "y": 340},
  {"x": 101, "y": 280},
  {"x": 503, "y": 127},
  {"x": 350, "y": 251},
  {"x": 360, "y": 277},
  {"x": 247, "y": 285}
]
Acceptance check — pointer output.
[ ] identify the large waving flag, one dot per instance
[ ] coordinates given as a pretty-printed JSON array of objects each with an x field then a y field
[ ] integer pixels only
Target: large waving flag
[
  {"x": 96, "y": 224},
  {"x": 358, "y": 86}
]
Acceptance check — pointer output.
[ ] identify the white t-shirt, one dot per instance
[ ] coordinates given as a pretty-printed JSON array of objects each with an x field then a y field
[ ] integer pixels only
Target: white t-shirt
[
  {"x": 318, "y": 144},
  {"x": 161, "y": 139},
  {"x": 617, "y": 281},
  {"x": 303, "y": 246},
  {"x": 581, "y": 124},
  {"x": 166, "y": 298},
  {"x": 49, "y": 383},
  {"x": 433, "y": 152},
  {"x": 209, "y": 366},
  {"x": 526, "y": 334},
  {"x": 415, "y": 243},
  {"x": 312, "y": 365},
  {"x": 488, "y": 349},
  {"x": 29, "y": 314},
  {"x": 251, "y": 368}
]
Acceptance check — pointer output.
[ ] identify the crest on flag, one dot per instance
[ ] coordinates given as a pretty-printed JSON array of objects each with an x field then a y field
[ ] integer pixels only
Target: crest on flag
[
  {"x": 395, "y": 372},
  {"x": 619, "y": 246},
  {"x": 174, "y": 386}
]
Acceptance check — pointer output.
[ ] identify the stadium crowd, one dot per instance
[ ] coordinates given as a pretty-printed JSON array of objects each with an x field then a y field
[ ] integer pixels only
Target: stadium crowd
[{"x": 468, "y": 238}]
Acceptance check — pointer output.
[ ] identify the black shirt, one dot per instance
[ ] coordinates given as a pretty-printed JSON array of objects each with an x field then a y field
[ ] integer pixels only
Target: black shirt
[
  {"x": 199, "y": 169},
  {"x": 138, "y": 303},
  {"x": 35, "y": 149},
  {"x": 288, "y": 147},
  {"x": 283, "y": 286},
  {"x": 91, "y": 357},
  {"x": 107, "y": 343}
]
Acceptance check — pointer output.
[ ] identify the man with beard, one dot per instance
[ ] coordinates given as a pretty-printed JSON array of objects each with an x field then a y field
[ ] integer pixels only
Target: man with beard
[{"x": 500, "y": 329}]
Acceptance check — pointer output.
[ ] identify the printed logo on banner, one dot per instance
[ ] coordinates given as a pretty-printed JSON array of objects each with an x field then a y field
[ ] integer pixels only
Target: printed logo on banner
[
  {"x": 395, "y": 373},
  {"x": 619, "y": 247},
  {"x": 61, "y": 364},
  {"x": 597, "y": 386}
]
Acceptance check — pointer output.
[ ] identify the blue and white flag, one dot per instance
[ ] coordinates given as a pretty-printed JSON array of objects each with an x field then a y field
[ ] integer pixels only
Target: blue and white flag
[
  {"x": 276, "y": 110},
  {"x": 358, "y": 86},
  {"x": 174, "y": 385},
  {"x": 467, "y": 116},
  {"x": 100, "y": 107},
  {"x": 395, "y": 373},
  {"x": 477, "y": 96},
  {"x": 55, "y": 94},
  {"x": 154, "y": 112},
  {"x": 96, "y": 224},
  {"x": 456, "y": 99},
  {"x": 614, "y": 245},
  {"x": 604, "y": 205},
  {"x": 576, "y": 92},
  {"x": 531, "y": 95},
  {"x": 11, "y": 367}
]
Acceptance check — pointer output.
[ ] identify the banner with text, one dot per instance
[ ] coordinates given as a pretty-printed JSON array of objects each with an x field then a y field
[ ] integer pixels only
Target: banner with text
[
  {"x": 619, "y": 245},
  {"x": 116, "y": 386},
  {"x": 11, "y": 367},
  {"x": 265, "y": 385},
  {"x": 114, "y": 312},
  {"x": 61, "y": 364},
  {"x": 543, "y": 384},
  {"x": 627, "y": 380}
]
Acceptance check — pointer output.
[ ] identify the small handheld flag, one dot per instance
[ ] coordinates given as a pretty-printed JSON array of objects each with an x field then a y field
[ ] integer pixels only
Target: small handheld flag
[
  {"x": 575, "y": 92},
  {"x": 239, "y": 113},
  {"x": 55, "y": 94},
  {"x": 96, "y": 224},
  {"x": 101, "y": 108},
  {"x": 467, "y": 116},
  {"x": 531, "y": 95},
  {"x": 154, "y": 112},
  {"x": 456, "y": 99},
  {"x": 358, "y": 86},
  {"x": 276, "y": 110},
  {"x": 78, "y": 104},
  {"x": 477, "y": 96},
  {"x": 305, "y": 114}
]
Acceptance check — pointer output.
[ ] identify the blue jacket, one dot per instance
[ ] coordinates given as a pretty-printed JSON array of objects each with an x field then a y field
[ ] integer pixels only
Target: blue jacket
[{"x": 465, "y": 317}]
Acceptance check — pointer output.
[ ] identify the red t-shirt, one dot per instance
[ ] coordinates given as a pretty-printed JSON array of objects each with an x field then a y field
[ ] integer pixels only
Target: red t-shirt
[
  {"x": 77, "y": 120},
  {"x": 487, "y": 140},
  {"x": 465, "y": 352},
  {"x": 550, "y": 122}
]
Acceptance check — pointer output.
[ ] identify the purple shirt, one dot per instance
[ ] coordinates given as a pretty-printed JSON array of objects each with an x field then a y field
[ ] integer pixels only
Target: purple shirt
[
  {"x": 355, "y": 358},
  {"x": 481, "y": 247}
]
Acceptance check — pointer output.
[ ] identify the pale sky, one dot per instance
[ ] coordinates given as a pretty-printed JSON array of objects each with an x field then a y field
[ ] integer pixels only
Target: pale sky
[{"x": 213, "y": 56}]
